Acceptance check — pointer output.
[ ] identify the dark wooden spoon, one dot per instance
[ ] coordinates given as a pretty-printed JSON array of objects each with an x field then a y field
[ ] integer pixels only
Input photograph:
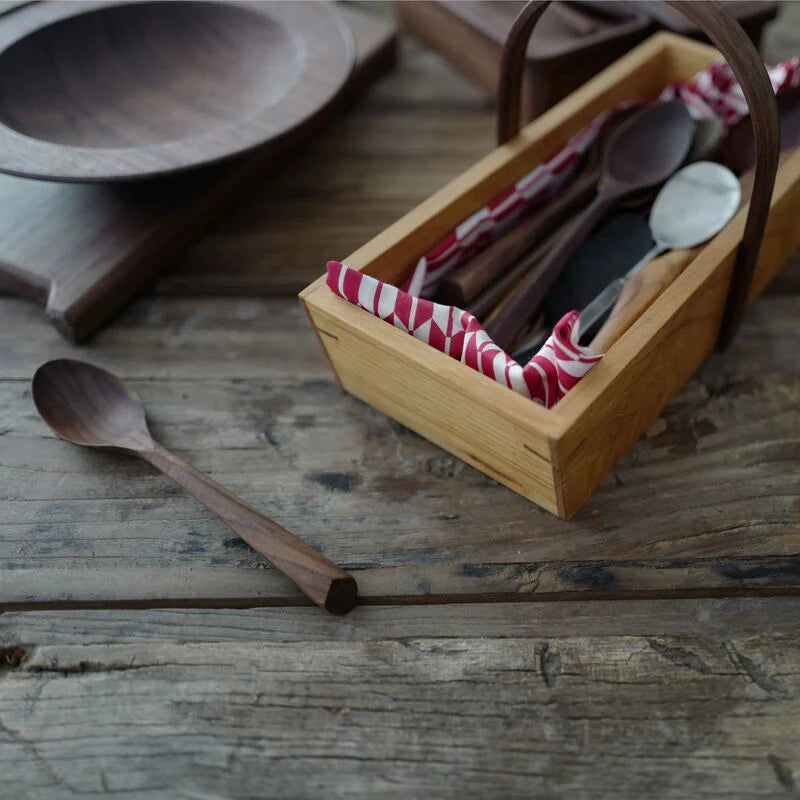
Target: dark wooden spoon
[
  {"x": 91, "y": 407},
  {"x": 464, "y": 284},
  {"x": 493, "y": 294},
  {"x": 643, "y": 152}
]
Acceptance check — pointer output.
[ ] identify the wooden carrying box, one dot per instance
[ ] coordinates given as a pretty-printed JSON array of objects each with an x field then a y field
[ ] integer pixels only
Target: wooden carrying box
[{"x": 556, "y": 457}]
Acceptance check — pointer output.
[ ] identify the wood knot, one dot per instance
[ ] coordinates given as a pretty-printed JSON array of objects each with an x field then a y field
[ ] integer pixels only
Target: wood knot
[{"x": 12, "y": 657}]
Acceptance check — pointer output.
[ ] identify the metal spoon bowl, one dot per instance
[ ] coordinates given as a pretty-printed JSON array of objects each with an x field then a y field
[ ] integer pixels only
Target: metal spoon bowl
[{"x": 696, "y": 203}]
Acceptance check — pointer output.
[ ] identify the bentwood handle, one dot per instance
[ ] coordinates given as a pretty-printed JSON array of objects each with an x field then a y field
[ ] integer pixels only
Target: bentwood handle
[
  {"x": 319, "y": 579},
  {"x": 729, "y": 37}
]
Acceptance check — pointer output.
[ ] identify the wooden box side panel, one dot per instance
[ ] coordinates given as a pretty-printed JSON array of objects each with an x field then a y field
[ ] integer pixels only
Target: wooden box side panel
[
  {"x": 470, "y": 35},
  {"x": 621, "y": 397},
  {"x": 431, "y": 397}
]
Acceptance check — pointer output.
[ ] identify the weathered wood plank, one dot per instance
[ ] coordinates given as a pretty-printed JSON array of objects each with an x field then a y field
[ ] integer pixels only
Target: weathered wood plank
[
  {"x": 706, "y": 617},
  {"x": 184, "y": 338},
  {"x": 186, "y": 586},
  {"x": 214, "y": 587},
  {"x": 709, "y": 502},
  {"x": 141, "y": 712}
]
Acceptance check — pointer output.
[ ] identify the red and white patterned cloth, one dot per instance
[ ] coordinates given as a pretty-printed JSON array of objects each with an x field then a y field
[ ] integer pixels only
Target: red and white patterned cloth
[{"x": 561, "y": 362}]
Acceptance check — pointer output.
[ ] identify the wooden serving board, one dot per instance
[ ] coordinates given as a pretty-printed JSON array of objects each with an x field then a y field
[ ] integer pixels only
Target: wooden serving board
[{"x": 82, "y": 250}]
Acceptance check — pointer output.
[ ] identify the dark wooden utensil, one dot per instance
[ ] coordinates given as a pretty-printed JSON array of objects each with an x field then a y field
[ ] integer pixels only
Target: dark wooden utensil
[
  {"x": 464, "y": 284},
  {"x": 100, "y": 91},
  {"x": 82, "y": 250},
  {"x": 89, "y": 406},
  {"x": 488, "y": 300},
  {"x": 708, "y": 137},
  {"x": 642, "y": 153}
]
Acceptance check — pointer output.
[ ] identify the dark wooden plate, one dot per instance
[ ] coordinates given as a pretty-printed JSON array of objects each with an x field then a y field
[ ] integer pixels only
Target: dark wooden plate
[
  {"x": 113, "y": 91},
  {"x": 81, "y": 250}
]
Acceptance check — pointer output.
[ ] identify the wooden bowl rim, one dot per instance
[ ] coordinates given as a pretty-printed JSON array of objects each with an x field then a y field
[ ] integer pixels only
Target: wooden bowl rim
[{"x": 315, "y": 24}]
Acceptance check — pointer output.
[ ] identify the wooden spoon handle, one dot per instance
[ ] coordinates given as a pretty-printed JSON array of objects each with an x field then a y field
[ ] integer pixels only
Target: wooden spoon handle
[
  {"x": 321, "y": 580},
  {"x": 464, "y": 284},
  {"x": 494, "y": 294},
  {"x": 524, "y": 303},
  {"x": 639, "y": 293}
]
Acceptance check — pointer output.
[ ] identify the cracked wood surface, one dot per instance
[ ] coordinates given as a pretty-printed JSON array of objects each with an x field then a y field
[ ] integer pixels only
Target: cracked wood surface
[{"x": 695, "y": 698}]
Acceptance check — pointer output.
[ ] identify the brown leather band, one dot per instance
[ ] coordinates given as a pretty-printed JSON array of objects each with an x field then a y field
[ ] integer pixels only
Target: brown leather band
[{"x": 729, "y": 37}]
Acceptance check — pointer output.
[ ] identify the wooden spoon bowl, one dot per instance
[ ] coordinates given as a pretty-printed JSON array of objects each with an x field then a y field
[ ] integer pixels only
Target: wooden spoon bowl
[
  {"x": 90, "y": 407},
  {"x": 109, "y": 91}
]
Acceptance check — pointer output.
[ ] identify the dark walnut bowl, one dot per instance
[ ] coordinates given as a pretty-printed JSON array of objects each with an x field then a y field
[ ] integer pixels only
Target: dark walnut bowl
[{"x": 114, "y": 91}]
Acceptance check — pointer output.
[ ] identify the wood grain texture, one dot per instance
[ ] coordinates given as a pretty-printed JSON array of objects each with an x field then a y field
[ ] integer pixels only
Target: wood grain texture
[
  {"x": 409, "y": 520},
  {"x": 568, "y": 48},
  {"x": 107, "y": 92},
  {"x": 83, "y": 250},
  {"x": 580, "y": 699},
  {"x": 704, "y": 618},
  {"x": 439, "y": 711}
]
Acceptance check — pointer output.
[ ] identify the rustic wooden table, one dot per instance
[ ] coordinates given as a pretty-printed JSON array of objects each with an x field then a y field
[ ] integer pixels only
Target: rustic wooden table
[{"x": 649, "y": 647}]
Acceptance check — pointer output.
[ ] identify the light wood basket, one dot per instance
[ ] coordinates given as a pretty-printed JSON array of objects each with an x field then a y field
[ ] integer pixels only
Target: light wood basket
[{"x": 556, "y": 457}]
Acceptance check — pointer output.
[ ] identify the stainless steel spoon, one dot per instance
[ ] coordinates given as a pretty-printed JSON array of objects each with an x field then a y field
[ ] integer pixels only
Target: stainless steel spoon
[{"x": 695, "y": 204}]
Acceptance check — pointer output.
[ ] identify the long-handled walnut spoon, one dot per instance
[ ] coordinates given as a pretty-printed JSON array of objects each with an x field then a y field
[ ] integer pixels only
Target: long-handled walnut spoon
[
  {"x": 465, "y": 283},
  {"x": 89, "y": 406}
]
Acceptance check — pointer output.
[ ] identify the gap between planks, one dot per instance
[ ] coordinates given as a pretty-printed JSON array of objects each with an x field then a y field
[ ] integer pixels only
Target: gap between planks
[{"x": 200, "y": 603}]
